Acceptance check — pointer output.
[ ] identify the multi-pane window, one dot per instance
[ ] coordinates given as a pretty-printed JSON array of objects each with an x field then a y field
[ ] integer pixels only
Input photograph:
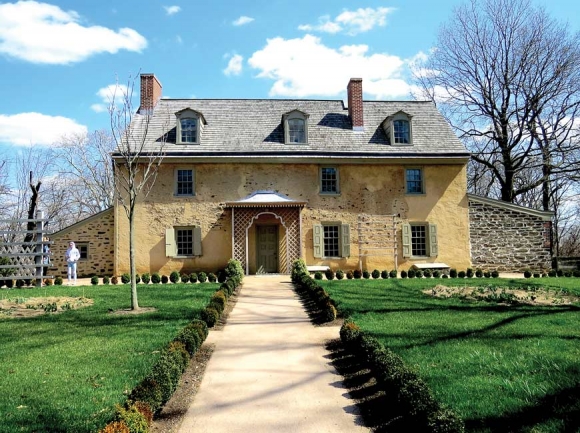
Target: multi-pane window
[
  {"x": 414, "y": 180},
  {"x": 296, "y": 131},
  {"x": 419, "y": 240},
  {"x": 188, "y": 130},
  {"x": 83, "y": 250},
  {"x": 331, "y": 241},
  {"x": 184, "y": 182},
  {"x": 329, "y": 180},
  {"x": 184, "y": 242},
  {"x": 401, "y": 132}
]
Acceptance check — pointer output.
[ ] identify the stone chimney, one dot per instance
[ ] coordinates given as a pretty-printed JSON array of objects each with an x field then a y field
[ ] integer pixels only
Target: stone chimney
[
  {"x": 150, "y": 93},
  {"x": 355, "y": 104}
]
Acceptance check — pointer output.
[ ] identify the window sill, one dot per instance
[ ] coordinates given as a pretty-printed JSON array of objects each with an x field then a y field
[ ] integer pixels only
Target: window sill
[
  {"x": 415, "y": 194},
  {"x": 183, "y": 195},
  {"x": 331, "y": 194}
]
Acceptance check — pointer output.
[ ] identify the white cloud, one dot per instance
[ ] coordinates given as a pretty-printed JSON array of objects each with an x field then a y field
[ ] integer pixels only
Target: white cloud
[
  {"x": 171, "y": 10},
  {"x": 234, "y": 65},
  {"x": 242, "y": 20},
  {"x": 178, "y": 39},
  {"x": 43, "y": 33},
  {"x": 306, "y": 67},
  {"x": 26, "y": 129},
  {"x": 108, "y": 95},
  {"x": 351, "y": 22}
]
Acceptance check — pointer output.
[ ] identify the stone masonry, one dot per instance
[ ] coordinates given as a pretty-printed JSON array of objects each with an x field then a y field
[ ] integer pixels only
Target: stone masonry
[
  {"x": 97, "y": 233},
  {"x": 507, "y": 237}
]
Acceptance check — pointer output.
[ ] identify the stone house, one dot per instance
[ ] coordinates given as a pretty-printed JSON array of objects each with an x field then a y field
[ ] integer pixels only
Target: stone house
[{"x": 377, "y": 185}]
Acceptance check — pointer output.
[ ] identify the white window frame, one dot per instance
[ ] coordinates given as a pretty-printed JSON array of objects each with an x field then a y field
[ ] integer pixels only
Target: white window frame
[
  {"x": 343, "y": 240},
  {"x": 422, "y": 172},
  {"x": 293, "y": 115},
  {"x": 176, "y": 181},
  {"x": 81, "y": 245},
  {"x": 337, "y": 181}
]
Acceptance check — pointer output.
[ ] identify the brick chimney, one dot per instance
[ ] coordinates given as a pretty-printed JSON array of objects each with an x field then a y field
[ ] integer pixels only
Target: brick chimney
[
  {"x": 355, "y": 104},
  {"x": 150, "y": 93}
]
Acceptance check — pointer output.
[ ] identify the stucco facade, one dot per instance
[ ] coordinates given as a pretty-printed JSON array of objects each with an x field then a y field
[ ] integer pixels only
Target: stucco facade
[{"x": 364, "y": 189}]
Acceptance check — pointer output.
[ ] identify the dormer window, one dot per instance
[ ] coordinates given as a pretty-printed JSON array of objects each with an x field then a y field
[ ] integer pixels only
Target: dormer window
[
  {"x": 189, "y": 125},
  {"x": 399, "y": 129},
  {"x": 295, "y": 127}
]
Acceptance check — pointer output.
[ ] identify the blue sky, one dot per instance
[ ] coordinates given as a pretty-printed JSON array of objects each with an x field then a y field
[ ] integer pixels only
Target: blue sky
[{"x": 58, "y": 58}]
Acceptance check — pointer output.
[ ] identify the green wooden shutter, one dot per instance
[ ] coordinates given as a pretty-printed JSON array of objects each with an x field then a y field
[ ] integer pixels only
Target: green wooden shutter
[
  {"x": 345, "y": 240},
  {"x": 406, "y": 230},
  {"x": 170, "y": 247},
  {"x": 318, "y": 241},
  {"x": 197, "y": 241},
  {"x": 433, "y": 247}
]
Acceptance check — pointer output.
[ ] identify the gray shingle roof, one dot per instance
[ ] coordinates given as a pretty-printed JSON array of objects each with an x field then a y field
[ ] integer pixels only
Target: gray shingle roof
[{"x": 253, "y": 127}]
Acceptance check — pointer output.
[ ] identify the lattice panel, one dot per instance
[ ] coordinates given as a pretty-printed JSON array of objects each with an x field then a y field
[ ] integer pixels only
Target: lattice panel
[
  {"x": 288, "y": 217},
  {"x": 377, "y": 236}
]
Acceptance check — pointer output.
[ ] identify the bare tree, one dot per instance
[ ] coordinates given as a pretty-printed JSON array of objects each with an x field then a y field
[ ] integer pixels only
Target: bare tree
[
  {"x": 87, "y": 162},
  {"x": 506, "y": 76},
  {"x": 135, "y": 164}
]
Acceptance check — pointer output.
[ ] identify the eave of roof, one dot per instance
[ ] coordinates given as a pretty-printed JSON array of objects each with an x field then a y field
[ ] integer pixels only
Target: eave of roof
[{"x": 545, "y": 215}]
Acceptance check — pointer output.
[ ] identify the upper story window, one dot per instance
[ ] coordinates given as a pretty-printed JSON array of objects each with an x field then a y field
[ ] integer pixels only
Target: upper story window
[
  {"x": 399, "y": 128},
  {"x": 189, "y": 126},
  {"x": 295, "y": 127},
  {"x": 414, "y": 181},
  {"x": 329, "y": 180},
  {"x": 184, "y": 182}
]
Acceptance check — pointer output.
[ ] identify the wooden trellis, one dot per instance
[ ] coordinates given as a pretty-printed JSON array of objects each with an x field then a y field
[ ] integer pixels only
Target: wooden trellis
[
  {"x": 377, "y": 237},
  {"x": 27, "y": 259}
]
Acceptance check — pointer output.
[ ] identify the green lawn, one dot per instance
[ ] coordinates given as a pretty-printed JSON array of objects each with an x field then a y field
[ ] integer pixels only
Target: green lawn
[
  {"x": 501, "y": 368},
  {"x": 65, "y": 372}
]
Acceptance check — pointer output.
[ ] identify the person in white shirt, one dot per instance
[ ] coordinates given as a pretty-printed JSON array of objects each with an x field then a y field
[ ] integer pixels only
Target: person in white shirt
[{"x": 72, "y": 256}]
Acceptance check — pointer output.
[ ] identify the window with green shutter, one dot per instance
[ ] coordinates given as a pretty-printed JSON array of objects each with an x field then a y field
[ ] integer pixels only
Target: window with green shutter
[
  {"x": 183, "y": 241},
  {"x": 331, "y": 239},
  {"x": 419, "y": 239}
]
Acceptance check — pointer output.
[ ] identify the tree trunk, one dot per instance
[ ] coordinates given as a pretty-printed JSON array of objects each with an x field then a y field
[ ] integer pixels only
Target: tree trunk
[
  {"x": 134, "y": 300},
  {"x": 31, "y": 225}
]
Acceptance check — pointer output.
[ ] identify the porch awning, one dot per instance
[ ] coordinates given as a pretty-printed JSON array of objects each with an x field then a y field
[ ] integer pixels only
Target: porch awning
[{"x": 266, "y": 199}]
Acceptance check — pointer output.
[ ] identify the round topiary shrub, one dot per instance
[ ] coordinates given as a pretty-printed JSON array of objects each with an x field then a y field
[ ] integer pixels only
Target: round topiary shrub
[
  {"x": 137, "y": 278},
  {"x": 536, "y": 275},
  {"x": 47, "y": 282},
  {"x": 210, "y": 316},
  {"x": 164, "y": 279},
  {"x": 461, "y": 274},
  {"x": 567, "y": 274},
  {"x": 478, "y": 273},
  {"x": 114, "y": 280},
  {"x": 393, "y": 273},
  {"x": 19, "y": 283},
  {"x": 427, "y": 273},
  {"x": 329, "y": 274},
  {"x": 384, "y": 274},
  {"x": 146, "y": 278},
  {"x": 445, "y": 276},
  {"x": 576, "y": 273},
  {"x": 106, "y": 280},
  {"x": 436, "y": 274},
  {"x": 357, "y": 274},
  {"x": 318, "y": 275},
  {"x": 57, "y": 282},
  {"x": 419, "y": 273},
  {"x": 403, "y": 274},
  {"x": 349, "y": 275},
  {"x": 487, "y": 274},
  {"x": 125, "y": 278},
  {"x": 339, "y": 274},
  {"x": 453, "y": 273},
  {"x": 222, "y": 276},
  {"x": 411, "y": 273},
  {"x": 211, "y": 277},
  {"x": 366, "y": 274},
  {"x": 560, "y": 273},
  {"x": 202, "y": 277},
  {"x": 469, "y": 273},
  {"x": 184, "y": 278},
  {"x": 174, "y": 277},
  {"x": 494, "y": 274},
  {"x": 552, "y": 273},
  {"x": 527, "y": 273},
  {"x": 156, "y": 278},
  {"x": 94, "y": 280},
  {"x": 193, "y": 277},
  {"x": 376, "y": 274}
]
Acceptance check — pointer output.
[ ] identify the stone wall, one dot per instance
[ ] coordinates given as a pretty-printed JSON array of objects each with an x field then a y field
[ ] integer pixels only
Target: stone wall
[
  {"x": 97, "y": 233},
  {"x": 507, "y": 237}
]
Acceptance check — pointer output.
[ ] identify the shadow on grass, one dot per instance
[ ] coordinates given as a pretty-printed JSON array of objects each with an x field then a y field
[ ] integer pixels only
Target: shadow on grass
[{"x": 560, "y": 411}]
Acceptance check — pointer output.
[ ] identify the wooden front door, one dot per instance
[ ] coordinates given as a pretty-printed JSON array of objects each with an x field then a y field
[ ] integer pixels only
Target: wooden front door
[{"x": 267, "y": 243}]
